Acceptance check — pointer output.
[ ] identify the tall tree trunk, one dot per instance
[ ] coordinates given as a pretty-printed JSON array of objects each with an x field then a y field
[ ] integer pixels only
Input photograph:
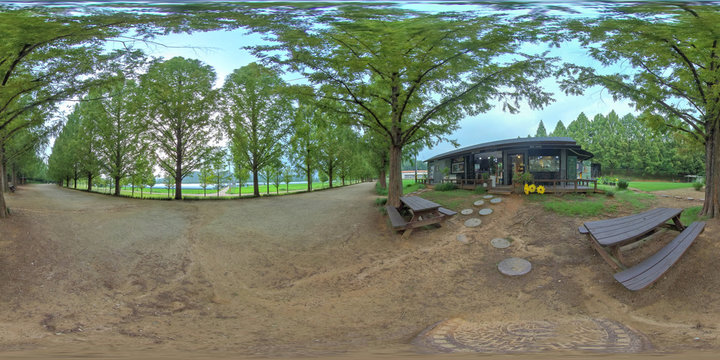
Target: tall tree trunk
[
  {"x": 4, "y": 186},
  {"x": 308, "y": 171},
  {"x": 117, "y": 185},
  {"x": 256, "y": 184},
  {"x": 343, "y": 181},
  {"x": 14, "y": 176},
  {"x": 90, "y": 177},
  {"x": 382, "y": 178},
  {"x": 395, "y": 186},
  {"x": 178, "y": 181},
  {"x": 330, "y": 173},
  {"x": 711, "y": 207},
  {"x": 67, "y": 182},
  {"x": 3, "y": 206}
]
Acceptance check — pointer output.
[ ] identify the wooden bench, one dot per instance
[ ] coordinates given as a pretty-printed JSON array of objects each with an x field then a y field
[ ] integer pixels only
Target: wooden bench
[
  {"x": 397, "y": 221},
  {"x": 447, "y": 212},
  {"x": 607, "y": 236},
  {"x": 649, "y": 270}
]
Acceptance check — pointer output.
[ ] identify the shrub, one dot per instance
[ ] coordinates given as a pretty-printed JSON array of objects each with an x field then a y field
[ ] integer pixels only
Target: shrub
[
  {"x": 525, "y": 177},
  {"x": 380, "y": 201},
  {"x": 698, "y": 185},
  {"x": 379, "y": 190},
  {"x": 480, "y": 189},
  {"x": 622, "y": 184},
  {"x": 609, "y": 193},
  {"x": 445, "y": 187}
]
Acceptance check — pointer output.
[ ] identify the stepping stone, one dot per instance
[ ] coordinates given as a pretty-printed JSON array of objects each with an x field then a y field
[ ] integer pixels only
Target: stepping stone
[
  {"x": 467, "y": 211},
  {"x": 663, "y": 195},
  {"x": 479, "y": 203},
  {"x": 495, "y": 200},
  {"x": 485, "y": 211},
  {"x": 487, "y": 197},
  {"x": 463, "y": 238},
  {"x": 690, "y": 199},
  {"x": 514, "y": 266},
  {"x": 474, "y": 222},
  {"x": 500, "y": 243}
]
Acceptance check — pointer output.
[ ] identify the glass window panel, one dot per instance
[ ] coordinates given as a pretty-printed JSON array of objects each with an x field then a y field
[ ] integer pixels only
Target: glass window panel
[{"x": 544, "y": 163}]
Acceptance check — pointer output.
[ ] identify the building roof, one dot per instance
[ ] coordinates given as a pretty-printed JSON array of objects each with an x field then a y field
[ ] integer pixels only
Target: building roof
[{"x": 545, "y": 142}]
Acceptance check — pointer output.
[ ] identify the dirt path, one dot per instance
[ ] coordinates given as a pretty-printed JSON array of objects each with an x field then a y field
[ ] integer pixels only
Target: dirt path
[{"x": 315, "y": 273}]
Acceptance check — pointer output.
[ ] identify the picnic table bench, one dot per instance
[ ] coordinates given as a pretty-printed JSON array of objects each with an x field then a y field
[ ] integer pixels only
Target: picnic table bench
[
  {"x": 424, "y": 212},
  {"x": 607, "y": 236}
]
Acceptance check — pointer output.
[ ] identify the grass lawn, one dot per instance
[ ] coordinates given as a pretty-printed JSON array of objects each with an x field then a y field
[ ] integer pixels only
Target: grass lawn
[
  {"x": 657, "y": 185},
  {"x": 594, "y": 204},
  {"x": 283, "y": 188},
  {"x": 452, "y": 199},
  {"x": 410, "y": 186}
]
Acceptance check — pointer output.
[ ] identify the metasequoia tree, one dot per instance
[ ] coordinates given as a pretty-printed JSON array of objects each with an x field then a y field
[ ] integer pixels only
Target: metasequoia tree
[
  {"x": 257, "y": 117},
  {"x": 410, "y": 76},
  {"x": 179, "y": 101},
  {"x": 304, "y": 140},
  {"x": 119, "y": 127},
  {"x": 675, "y": 52},
  {"x": 48, "y": 55}
]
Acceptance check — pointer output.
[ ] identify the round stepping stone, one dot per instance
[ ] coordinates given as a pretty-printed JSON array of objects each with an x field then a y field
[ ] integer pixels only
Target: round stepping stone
[
  {"x": 474, "y": 222},
  {"x": 500, "y": 243},
  {"x": 467, "y": 211},
  {"x": 485, "y": 211},
  {"x": 487, "y": 197},
  {"x": 514, "y": 266},
  {"x": 463, "y": 238},
  {"x": 495, "y": 200},
  {"x": 479, "y": 203}
]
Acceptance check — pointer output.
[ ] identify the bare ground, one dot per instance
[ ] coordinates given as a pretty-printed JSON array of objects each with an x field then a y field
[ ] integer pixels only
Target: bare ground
[{"x": 312, "y": 274}]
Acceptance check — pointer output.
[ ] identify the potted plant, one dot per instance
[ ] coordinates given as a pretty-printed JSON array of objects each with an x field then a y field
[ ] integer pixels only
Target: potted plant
[{"x": 520, "y": 179}]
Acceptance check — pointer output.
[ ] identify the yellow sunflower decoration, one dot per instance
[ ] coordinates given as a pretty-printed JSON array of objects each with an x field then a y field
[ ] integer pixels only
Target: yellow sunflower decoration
[
  {"x": 540, "y": 189},
  {"x": 532, "y": 188},
  {"x": 527, "y": 189}
]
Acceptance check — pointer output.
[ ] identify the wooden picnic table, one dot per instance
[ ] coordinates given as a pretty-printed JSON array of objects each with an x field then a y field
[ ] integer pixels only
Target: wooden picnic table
[
  {"x": 424, "y": 212},
  {"x": 609, "y": 235}
]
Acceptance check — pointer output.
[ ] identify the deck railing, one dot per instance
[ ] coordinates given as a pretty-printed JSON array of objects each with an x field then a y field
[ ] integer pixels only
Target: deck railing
[
  {"x": 568, "y": 184},
  {"x": 555, "y": 185}
]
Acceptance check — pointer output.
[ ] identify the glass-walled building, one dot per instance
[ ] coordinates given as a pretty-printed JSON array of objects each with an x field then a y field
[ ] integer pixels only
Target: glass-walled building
[{"x": 495, "y": 163}]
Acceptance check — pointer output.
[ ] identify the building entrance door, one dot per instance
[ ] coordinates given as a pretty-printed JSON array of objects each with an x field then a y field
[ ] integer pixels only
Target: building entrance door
[{"x": 518, "y": 164}]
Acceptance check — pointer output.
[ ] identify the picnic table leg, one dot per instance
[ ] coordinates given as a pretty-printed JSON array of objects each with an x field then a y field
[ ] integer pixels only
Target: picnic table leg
[
  {"x": 406, "y": 234},
  {"x": 678, "y": 224},
  {"x": 605, "y": 255},
  {"x": 618, "y": 255}
]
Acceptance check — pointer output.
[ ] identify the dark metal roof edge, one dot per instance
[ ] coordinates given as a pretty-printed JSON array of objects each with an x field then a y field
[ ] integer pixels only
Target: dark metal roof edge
[{"x": 507, "y": 143}]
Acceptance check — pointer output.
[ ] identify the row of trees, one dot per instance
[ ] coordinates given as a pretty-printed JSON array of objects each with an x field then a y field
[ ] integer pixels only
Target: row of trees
[
  {"x": 625, "y": 144},
  {"x": 170, "y": 116},
  {"x": 405, "y": 77}
]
